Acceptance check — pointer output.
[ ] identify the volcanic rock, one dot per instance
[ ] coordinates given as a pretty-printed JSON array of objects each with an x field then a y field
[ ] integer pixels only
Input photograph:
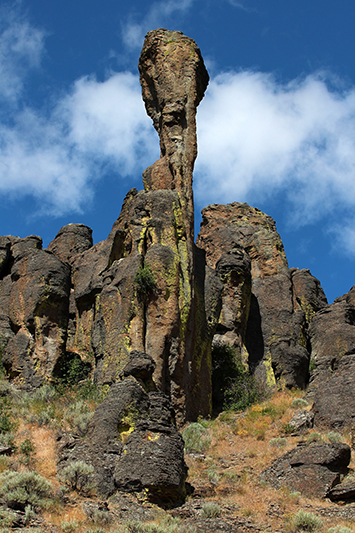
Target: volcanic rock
[
  {"x": 133, "y": 444},
  {"x": 275, "y": 309},
  {"x": 37, "y": 301},
  {"x": 312, "y": 470},
  {"x": 70, "y": 241}
]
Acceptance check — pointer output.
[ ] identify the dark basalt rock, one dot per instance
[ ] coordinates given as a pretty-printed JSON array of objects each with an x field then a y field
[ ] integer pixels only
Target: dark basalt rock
[
  {"x": 312, "y": 470},
  {"x": 70, "y": 241},
  {"x": 133, "y": 444},
  {"x": 345, "y": 492}
]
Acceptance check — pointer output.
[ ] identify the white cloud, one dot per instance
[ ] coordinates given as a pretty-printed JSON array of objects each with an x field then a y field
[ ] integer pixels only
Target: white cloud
[
  {"x": 100, "y": 126},
  {"x": 159, "y": 14},
  {"x": 258, "y": 137},
  {"x": 21, "y": 49}
]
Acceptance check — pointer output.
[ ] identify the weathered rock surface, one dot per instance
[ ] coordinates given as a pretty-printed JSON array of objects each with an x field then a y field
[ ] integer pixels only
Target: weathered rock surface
[
  {"x": 173, "y": 79},
  {"x": 275, "y": 309},
  {"x": 132, "y": 441},
  {"x": 343, "y": 492},
  {"x": 70, "y": 241},
  {"x": 312, "y": 470},
  {"x": 301, "y": 421},
  {"x": 35, "y": 298}
]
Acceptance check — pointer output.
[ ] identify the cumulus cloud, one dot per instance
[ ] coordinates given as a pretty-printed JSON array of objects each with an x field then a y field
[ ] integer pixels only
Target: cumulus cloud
[
  {"x": 258, "y": 137},
  {"x": 98, "y": 127},
  {"x": 159, "y": 14}
]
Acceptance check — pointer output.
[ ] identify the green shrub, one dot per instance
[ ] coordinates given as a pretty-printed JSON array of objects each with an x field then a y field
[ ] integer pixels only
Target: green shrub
[
  {"x": 6, "y": 518},
  {"x": 196, "y": 438},
  {"x": 167, "y": 525},
  {"x": 69, "y": 526},
  {"x": 211, "y": 510},
  {"x": 233, "y": 387},
  {"x": 145, "y": 281},
  {"x": 312, "y": 365},
  {"x": 212, "y": 475},
  {"x": 303, "y": 521},
  {"x": 45, "y": 393},
  {"x": 27, "y": 447},
  {"x": 314, "y": 437},
  {"x": 278, "y": 442},
  {"x": 7, "y": 439},
  {"x": 287, "y": 429},
  {"x": 77, "y": 476},
  {"x": 299, "y": 403},
  {"x": 21, "y": 489},
  {"x": 6, "y": 424},
  {"x": 333, "y": 436}
]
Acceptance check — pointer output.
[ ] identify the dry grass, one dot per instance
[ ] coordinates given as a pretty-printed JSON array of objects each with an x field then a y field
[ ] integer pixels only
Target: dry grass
[
  {"x": 240, "y": 450},
  {"x": 241, "y": 446}
]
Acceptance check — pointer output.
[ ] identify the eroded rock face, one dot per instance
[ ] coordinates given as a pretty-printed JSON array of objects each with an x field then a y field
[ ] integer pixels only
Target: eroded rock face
[
  {"x": 312, "y": 470},
  {"x": 274, "y": 307},
  {"x": 173, "y": 79},
  {"x": 132, "y": 441},
  {"x": 34, "y": 317}
]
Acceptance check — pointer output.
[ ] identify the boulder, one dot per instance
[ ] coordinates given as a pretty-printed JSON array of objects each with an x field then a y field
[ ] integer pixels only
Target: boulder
[
  {"x": 310, "y": 469},
  {"x": 301, "y": 421},
  {"x": 344, "y": 492},
  {"x": 132, "y": 443}
]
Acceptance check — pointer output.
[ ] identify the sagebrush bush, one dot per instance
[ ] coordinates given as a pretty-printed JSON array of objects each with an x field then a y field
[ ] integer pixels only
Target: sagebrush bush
[
  {"x": 69, "y": 526},
  {"x": 211, "y": 510},
  {"x": 278, "y": 442},
  {"x": 299, "y": 403},
  {"x": 196, "y": 438},
  {"x": 340, "y": 529},
  {"x": 170, "y": 525},
  {"x": 303, "y": 521},
  {"x": 20, "y": 489},
  {"x": 314, "y": 437},
  {"x": 333, "y": 436},
  {"x": 77, "y": 476},
  {"x": 7, "y": 518}
]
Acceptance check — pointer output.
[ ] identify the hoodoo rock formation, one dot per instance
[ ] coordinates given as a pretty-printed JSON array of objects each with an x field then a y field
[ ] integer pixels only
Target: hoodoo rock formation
[{"x": 139, "y": 311}]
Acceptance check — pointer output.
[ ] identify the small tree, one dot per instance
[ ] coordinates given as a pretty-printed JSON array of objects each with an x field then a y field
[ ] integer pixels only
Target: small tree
[{"x": 77, "y": 476}]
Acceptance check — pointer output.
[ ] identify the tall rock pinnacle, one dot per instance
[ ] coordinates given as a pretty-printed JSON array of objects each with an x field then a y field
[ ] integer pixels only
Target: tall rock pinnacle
[{"x": 173, "y": 79}]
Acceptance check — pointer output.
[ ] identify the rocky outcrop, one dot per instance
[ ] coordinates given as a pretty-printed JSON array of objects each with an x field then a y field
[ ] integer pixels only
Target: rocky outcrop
[
  {"x": 132, "y": 441},
  {"x": 173, "y": 79},
  {"x": 136, "y": 290},
  {"x": 332, "y": 337},
  {"x": 312, "y": 470},
  {"x": 274, "y": 307},
  {"x": 34, "y": 303}
]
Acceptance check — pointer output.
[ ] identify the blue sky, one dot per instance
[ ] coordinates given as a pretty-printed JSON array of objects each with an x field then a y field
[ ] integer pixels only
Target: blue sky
[{"x": 276, "y": 128}]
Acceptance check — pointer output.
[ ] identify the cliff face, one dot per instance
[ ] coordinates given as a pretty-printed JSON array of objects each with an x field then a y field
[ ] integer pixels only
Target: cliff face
[{"x": 266, "y": 315}]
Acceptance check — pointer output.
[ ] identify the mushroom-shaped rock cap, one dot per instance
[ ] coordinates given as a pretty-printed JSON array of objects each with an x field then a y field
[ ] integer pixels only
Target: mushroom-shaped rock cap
[{"x": 172, "y": 74}]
